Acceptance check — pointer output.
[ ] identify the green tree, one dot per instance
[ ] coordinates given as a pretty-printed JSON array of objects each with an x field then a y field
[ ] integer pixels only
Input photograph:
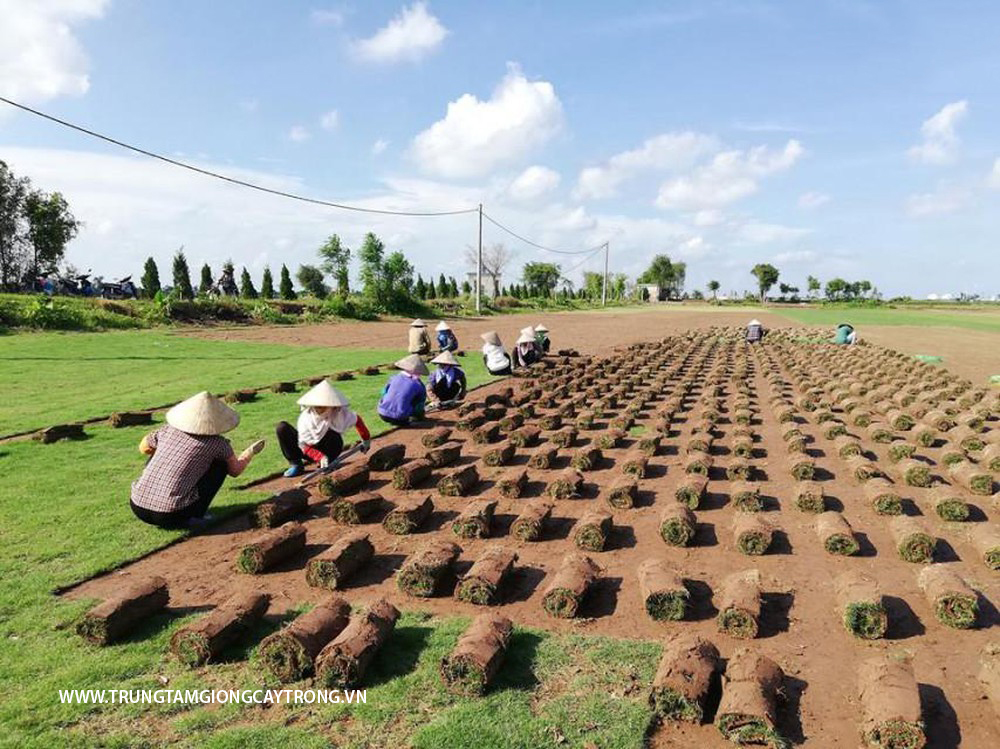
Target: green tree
[
  {"x": 814, "y": 285},
  {"x": 386, "y": 280},
  {"x": 206, "y": 280},
  {"x": 420, "y": 289},
  {"x": 336, "y": 259},
  {"x": 285, "y": 287},
  {"x": 182, "y": 276},
  {"x": 665, "y": 274},
  {"x": 228, "y": 268},
  {"x": 836, "y": 289},
  {"x": 14, "y": 192},
  {"x": 466, "y": 288},
  {"x": 311, "y": 280},
  {"x": 150, "y": 279},
  {"x": 452, "y": 287},
  {"x": 713, "y": 286},
  {"x": 542, "y": 276},
  {"x": 247, "y": 290},
  {"x": 618, "y": 284},
  {"x": 431, "y": 291},
  {"x": 767, "y": 276},
  {"x": 371, "y": 256},
  {"x": 442, "y": 288},
  {"x": 267, "y": 284},
  {"x": 51, "y": 226}
]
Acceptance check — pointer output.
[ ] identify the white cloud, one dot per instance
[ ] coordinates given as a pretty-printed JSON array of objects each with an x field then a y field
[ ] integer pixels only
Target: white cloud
[
  {"x": 667, "y": 151},
  {"x": 327, "y": 17},
  {"x": 810, "y": 200},
  {"x": 709, "y": 217},
  {"x": 796, "y": 256},
  {"x": 298, "y": 134},
  {"x": 379, "y": 146},
  {"x": 942, "y": 201},
  {"x": 40, "y": 57},
  {"x": 730, "y": 176},
  {"x": 330, "y": 120},
  {"x": 754, "y": 232},
  {"x": 477, "y": 136},
  {"x": 412, "y": 34},
  {"x": 993, "y": 180},
  {"x": 940, "y": 141},
  {"x": 533, "y": 183}
]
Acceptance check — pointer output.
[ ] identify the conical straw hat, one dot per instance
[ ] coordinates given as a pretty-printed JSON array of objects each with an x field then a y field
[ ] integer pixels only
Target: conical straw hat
[
  {"x": 413, "y": 364},
  {"x": 491, "y": 337},
  {"x": 528, "y": 331},
  {"x": 324, "y": 395},
  {"x": 203, "y": 414},
  {"x": 755, "y": 321},
  {"x": 445, "y": 357},
  {"x": 526, "y": 337},
  {"x": 541, "y": 328},
  {"x": 442, "y": 326},
  {"x": 418, "y": 323}
]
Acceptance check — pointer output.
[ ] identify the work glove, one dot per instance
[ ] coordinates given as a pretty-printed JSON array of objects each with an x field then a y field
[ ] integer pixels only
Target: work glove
[
  {"x": 324, "y": 462},
  {"x": 366, "y": 446}
]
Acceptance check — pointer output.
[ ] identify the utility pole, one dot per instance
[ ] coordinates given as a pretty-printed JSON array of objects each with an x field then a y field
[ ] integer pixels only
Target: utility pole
[
  {"x": 479, "y": 265},
  {"x": 604, "y": 287}
]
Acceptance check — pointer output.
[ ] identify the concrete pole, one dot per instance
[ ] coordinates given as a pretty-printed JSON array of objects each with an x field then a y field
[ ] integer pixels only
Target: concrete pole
[
  {"x": 604, "y": 287},
  {"x": 479, "y": 265}
]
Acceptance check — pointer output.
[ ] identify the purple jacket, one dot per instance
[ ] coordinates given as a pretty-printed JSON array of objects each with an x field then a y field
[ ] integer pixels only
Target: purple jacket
[{"x": 402, "y": 398}]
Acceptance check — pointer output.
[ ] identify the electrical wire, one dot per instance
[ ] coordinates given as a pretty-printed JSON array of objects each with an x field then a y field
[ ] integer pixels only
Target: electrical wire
[
  {"x": 232, "y": 180},
  {"x": 540, "y": 246}
]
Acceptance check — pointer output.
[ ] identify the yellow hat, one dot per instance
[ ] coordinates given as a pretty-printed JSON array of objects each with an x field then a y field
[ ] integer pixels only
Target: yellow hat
[{"x": 203, "y": 414}]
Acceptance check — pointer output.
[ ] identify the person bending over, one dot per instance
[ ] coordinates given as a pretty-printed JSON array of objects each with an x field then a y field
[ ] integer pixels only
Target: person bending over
[
  {"x": 446, "y": 337},
  {"x": 495, "y": 356},
  {"x": 526, "y": 351},
  {"x": 447, "y": 382},
  {"x": 542, "y": 338},
  {"x": 403, "y": 397},
  {"x": 418, "y": 342}
]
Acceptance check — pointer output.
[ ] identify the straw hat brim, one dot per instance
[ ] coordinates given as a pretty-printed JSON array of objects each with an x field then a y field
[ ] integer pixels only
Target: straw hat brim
[
  {"x": 323, "y": 395},
  {"x": 418, "y": 324},
  {"x": 413, "y": 364},
  {"x": 445, "y": 357},
  {"x": 541, "y": 328},
  {"x": 491, "y": 337},
  {"x": 203, "y": 414},
  {"x": 441, "y": 326},
  {"x": 525, "y": 338},
  {"x": 754, "y": 322},
  {"x": 528, "y": 331}
]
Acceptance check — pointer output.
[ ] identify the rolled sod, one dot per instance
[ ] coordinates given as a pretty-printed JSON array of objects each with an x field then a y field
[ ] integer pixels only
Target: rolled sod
[
  {"x": 986, "y": 539},
  {"x": 974, "y": 478},
  {"x": 622, "y": 423},
  {"x": 482, "y": 583},
  {"x": 478, "y": 655},
  {"x": 586, "y": 458},
  {"x": 742, "y": 447},
  {"x": 444, "y": 455},
  {"x": 271, "y": 547},
  {"x": 677, "y": 525},
  {"x": 343, "y": 558},
  {"x": 512, "y": 482},
  {"x": 861, "y": 418},
  {"x": 199, "y": 642},
  {"x": 279, "y": 509},
  {"x": 691, "y": 489},
  {"x": 499, "y": 454},
  {"x": 510, "y": 422},
  {"x": 635, "y": 463},
  {"x": 939, "y": 420},
  {"x": 900, "y": 420},
  {"x": 790, "y": 432},
  {"x": 664, "y": 595},
  {"x": 989, "y": 674},
  {"x": 344, "y": 481},
  {"x": 803, "y": 468},
  {"x": 485, "y": 434},
  {"x": 529, "y": 525},
  {"x": 592, "y": 530},
  {"x": 952, "y": 455},
  {"x": 459, "y": 481},
  {"x": 550, "y": 422},
  {"x": 752, "y": 535},
  {"x": 700, "y": 442},
  {"x": 585, "y": 420},
  {"x": 408, "y": 515},
  {"x": 948, "y": 503},
  {"x": 569, "y": 585},
  {"x": 860, "y": 602},
  {"x": 355, "y": 509},
  {"x": 386, "y": 458},
  {"x": 862, "y": 469},
  {"x": 565, "y": 437},
  {"x": 738, "y": 602},
  {"x": 649, "y": 444},
  {"x": 124, "y": 611},
  {"x": 823, "y": 416},
  {"x": 739, "y": 470},
  {"x": 426, "y": 568},
  {"x": 883, "y": 497},
  {"x": 475, "y": 520},
  {"x": 836, "y": 534},
  {"x": 470, "y": 422},
  {"x": 833, "y": 429},
  {"x": 609, "y": 439},
  {"x": 622, "y": 493},
  {"x": 809, "y": 497},
  {"x": 289, "y": 653},
  {"x": 343, "y": 661},
  {"x": 526, "y": 436},
  {"x": 436, "y": 436},
  {"x": 543, "y": 458},
  {"x": 847, "y": 446},
  {"x": 925, "y": 435},
  {"x": 569, "y": 483},
  {"x": 890, "y": 704},
  {"x": 991, "y": 458},
  {"x": 795, "y": 445},
  {"x": 955, "y": 604},
  {"x": 699, "y": 464},
  {"x": 684, "y": 678},
  {"x": 745, "y": 496},
  {"x": 748, "y": 710},
  {"x": 914, "y": 472},
  {"x": 901, "y": 451},
  {"x": 785, "y": 414},
  {"x": 880, "y": 432},
  {"x": 913, "y": 542},
  {"x": 121, "y": 419},
  {"x": 241, "y": 396}
]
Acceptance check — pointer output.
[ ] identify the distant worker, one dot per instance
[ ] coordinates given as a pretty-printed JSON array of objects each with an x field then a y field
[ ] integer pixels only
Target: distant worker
[
  {"x": 526, "y": 351},
  {"x": 447, "y": 382},
  {"x": 755, "y": 331},
  {"x": 846, "y": 334},
  {"x": 446, "y": 337},
  {"x": 403, "y": 397},
  {"x": 495, "y": 356},
  {"x": 542, "y": 337},
  {"x": 319, "y": 438},
  {"x": 419, "y": 341},
  {"x": 189, "y": 461}
]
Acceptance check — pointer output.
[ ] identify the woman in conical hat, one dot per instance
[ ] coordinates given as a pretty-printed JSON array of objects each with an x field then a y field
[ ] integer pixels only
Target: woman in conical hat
[
  {"x": 325, "y": 417},
  {"x": 403, "y": 397},
  {"x": 542, "y": 337},
  {"x": 189, "y": 460},
  {"x": 418, "y": 342},
  {"x": 495, "y": 356},
  {"x": 447, "y": 382},
  {"x": 526, "y": 351},
  {"x": 447, "y": 341},
  {"x": 755, "y": 331}
]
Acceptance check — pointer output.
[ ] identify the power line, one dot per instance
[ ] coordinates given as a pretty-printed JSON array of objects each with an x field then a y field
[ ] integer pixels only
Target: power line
[
  {"x": 587, "y": 259},
  {"x": 226, "y": 178},
  {"x": 535, "y": 244}
]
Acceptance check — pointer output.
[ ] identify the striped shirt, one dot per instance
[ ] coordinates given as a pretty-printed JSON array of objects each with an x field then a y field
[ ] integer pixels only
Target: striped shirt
[{"x": 170, "y": 479}]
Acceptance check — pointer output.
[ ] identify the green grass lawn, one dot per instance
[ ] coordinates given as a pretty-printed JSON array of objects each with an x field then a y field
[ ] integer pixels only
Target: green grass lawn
[
  {"x": 987, "y": 320},
  {"x": 64, "y": 516},
  {"x": 53, "y": 378}
]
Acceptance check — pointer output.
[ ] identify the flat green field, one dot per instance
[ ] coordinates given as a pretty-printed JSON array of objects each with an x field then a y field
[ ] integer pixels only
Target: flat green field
[{"x": 983, "y": 319}]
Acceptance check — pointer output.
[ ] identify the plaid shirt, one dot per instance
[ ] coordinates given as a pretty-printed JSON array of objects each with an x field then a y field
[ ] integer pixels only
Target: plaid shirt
[{"x": 170, "y": 479}]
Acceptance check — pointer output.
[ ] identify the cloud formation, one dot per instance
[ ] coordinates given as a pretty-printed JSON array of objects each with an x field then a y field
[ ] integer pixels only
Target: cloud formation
[
  {"x": 940, "y": 141},
  {"x": 810, "y": 200},
  {"x": 533, "y": 183},
  {"x": 410, "y": 35}
]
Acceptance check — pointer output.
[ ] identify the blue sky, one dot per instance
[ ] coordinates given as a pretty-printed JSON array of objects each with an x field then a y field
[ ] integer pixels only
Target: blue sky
[{"x": 832, "y": 137}]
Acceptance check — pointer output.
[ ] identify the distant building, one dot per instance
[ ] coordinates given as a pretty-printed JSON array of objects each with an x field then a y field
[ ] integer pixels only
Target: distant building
[
  {"x": 491, "y": 288},
  {"x": 654, "y": 290}
]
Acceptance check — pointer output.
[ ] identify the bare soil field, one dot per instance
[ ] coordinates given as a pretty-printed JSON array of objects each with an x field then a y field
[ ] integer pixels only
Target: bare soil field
[{"x": 702, "y": 387}]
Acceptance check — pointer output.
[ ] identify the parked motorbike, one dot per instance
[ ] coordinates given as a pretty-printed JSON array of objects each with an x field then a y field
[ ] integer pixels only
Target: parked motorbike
[{"x": 123, "y": 288}]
